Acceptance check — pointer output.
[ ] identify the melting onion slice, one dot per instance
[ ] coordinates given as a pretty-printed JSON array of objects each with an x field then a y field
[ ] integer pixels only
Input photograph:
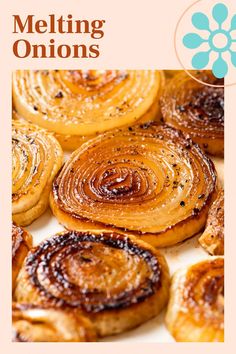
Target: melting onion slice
[
  {"x": 79, "y": 104},
  {"x": 21, "y": 244},
  {"x": 117, "y": 281},
  {"x": 196, "y": 307},
  {"x": 148, "y": 181},
  {"x": 36, "y": 158},
  {"x": 196, "y": 109},
  {"x": 39, "y": 324},
  {"x": 212, "y": 238}
]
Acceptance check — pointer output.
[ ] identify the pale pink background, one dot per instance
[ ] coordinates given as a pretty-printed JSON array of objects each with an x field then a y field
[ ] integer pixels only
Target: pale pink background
[{"x": 139, "y": 35}]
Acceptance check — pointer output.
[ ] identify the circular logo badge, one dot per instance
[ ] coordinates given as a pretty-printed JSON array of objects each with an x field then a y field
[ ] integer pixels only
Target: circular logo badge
[{"x": 205, "y": 39}]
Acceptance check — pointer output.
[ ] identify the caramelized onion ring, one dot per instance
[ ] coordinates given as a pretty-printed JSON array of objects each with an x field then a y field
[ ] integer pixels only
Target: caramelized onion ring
[
  {"x": 21, "y": 244},
  {"x": 72, "y": 142},
  {"x": 117, "y": 281},
  {"x": 79, "y": 104},
  {"x": 212, "y": 238},
  {"x": 148, "y": 181},
  {"x": 36, "y": 158},
  {"x": 196, "y": 308},
  {"x": 196, "y": 109},
  {"x": 39, "y": 324}
]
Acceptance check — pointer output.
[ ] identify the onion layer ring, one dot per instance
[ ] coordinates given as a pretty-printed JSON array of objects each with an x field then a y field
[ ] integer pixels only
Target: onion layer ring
[
  {"x": 21, "y": 244},
  {"x": 79, "y": 104},
  {"x": 36, "y": 158},
  {"x": 196, "y": 308},
  {"x": 196, "y": 109},
  {"x": 212, "y": 238},
  {"x": 148, "y": 181},
  {"x": 39, "y": 324},
  {"x": 117, "y": 281}
]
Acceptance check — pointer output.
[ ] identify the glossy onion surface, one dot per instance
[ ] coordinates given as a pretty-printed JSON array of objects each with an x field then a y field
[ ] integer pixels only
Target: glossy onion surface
[
  {"x": 78, "y": 104},
  {"x": 39, "y": 324},
  {"x": 21, "y": 244},
  {"x": 196, "y": 308},
  {"x": 36, "y": 158},
  {"x": 117, "y": 281},
  {"x": 212, "y": 238},
  {"x": 147, "y": 180},
  {"x": 196, "y": 109}
]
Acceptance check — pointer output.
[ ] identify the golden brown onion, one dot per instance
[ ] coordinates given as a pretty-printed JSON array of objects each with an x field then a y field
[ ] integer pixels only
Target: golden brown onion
[
  {"x": 21, "y": 244},
  {"x": 196, "y": 308},
  {"x": 39, "y": 324},
  {"x": 170, "y": 73},
  {"x": 36, "y": 158},
  {"x": 212, "y": 238},
  {"x": 117, "y": 281},
  {"x": 79, "y": 104},
  {"x": 147, "y": 180},
  {"x": 196, "y": 109}
]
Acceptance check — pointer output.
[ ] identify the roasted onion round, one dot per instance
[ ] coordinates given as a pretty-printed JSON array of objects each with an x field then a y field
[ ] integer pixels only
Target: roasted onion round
[
  {"x": 36, "y": 158},
  {"x": 196, "y": 109},
  {"x": 21, "y": 244},
  {"x": 196, "y": 308},
  {"x": 212, "y": 238},
  {"x": 39, "y": 324},
  {"x": 148, "y": 181},
  {"x": 79, "y": 104},
  {"x": 117, "y": 281}
]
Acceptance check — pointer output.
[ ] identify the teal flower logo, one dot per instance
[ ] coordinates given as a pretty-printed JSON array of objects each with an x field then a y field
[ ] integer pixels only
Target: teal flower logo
[{"x": 219, "y": 40}]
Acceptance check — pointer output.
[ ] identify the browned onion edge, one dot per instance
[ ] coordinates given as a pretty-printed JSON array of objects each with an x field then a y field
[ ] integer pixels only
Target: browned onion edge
[
  {"x": 20, "y": 232},
  {"x": 118, "y": 241},
  {"x": 163, "y": 106},
  {"x": 199, "y": 270},
  {"x": 190, "y": 145}
]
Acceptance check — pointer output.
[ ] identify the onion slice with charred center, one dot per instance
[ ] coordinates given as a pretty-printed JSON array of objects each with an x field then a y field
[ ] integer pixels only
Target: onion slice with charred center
[
  {"x": 196, "y": 109},
  {"x": 79, "y": 104},
  {"x": 36, "y": 158},
  {"x": 117, "y": 281},
  {"x": 148, "y": 181},
  {"x": 196, "y": 307}
]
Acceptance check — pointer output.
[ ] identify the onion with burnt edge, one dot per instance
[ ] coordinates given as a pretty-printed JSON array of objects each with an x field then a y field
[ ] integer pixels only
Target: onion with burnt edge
[
  {"x": 196, "y": 307},
  {"x": 196, "y": 109},
  {"x": 117, "y": 281}
]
